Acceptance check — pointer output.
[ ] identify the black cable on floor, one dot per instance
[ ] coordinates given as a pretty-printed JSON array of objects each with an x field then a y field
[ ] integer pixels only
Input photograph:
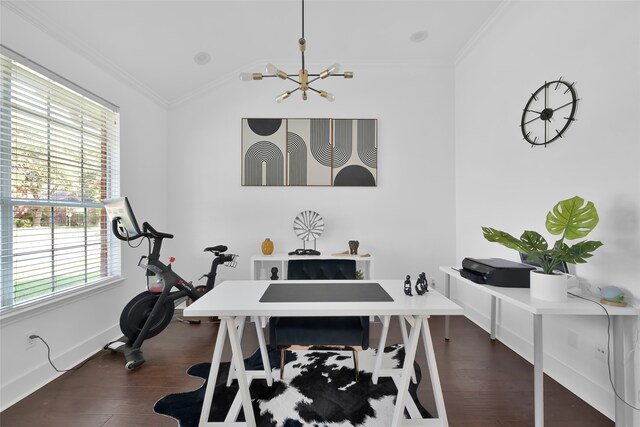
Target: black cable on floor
[
  {"x": 608, "y": 350},
  {"x": 49, "y": 356}
]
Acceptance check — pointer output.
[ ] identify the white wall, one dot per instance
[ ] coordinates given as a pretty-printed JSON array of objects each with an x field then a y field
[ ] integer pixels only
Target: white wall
[
  {"x": 504, "y": 183},
  {"x": 81, "y": 326},
  {"x": 406, "y": 222}
]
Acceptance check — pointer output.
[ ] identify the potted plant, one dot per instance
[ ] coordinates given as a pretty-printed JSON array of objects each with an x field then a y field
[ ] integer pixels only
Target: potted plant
[{"x": 570, "y": 219}]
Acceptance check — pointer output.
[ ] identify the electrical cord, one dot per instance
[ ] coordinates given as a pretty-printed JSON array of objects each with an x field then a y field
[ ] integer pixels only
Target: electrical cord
[
  {"x": 126, "y": 232},
  {"x": 49, "y": 356},
  {"x": 608, "y": 350}
]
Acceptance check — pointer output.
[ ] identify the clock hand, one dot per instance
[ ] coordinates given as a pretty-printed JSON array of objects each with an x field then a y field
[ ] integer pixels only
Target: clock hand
[
  {"x": 526, "y": 123},
  {"x": 533, "y": 111},
  {"x": 546, "y": 88},
  {"x": 562, "y": 106}
]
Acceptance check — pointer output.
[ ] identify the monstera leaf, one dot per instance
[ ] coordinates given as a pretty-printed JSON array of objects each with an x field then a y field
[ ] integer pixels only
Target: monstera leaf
[
  {"x": 578, "y": 253},
  {"x": 571, "y": 219},
  {"x": 533, "y": 241},
  {"x": 529, "y": 242},
  {"x": 505, "y": 239}
]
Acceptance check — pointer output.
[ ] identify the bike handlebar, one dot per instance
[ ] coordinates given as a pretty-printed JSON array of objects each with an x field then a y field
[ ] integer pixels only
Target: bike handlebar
[
  {"x": 154, "y": 233},
  {"x": 147, "y": 231}
]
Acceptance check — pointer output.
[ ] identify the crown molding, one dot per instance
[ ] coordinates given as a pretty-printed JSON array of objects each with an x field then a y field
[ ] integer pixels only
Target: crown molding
[
  {"x": 499, "y": 11},
  {"x": 32, "y": 15}
]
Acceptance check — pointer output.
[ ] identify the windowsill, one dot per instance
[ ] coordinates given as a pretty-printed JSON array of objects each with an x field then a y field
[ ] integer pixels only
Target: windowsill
[{"x": 36, "y": 308}]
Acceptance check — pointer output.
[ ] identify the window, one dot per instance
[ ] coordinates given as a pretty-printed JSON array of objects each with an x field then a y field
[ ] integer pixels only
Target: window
[{"x": 59, "y": 158}]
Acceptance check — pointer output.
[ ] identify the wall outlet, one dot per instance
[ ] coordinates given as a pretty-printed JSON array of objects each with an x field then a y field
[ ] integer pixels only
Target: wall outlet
[
  {"x": 601, "y": 354},
  {"x": 30, "y": 342}
]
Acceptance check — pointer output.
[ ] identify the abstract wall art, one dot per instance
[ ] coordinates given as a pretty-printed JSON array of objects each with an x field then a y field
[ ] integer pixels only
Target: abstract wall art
[{"x": 309, "y": 152}]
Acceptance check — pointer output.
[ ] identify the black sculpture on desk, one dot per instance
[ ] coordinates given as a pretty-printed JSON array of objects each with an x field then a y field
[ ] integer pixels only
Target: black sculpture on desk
[
  {"x": 422, "y": 285},
  {"x": 407, "y": 286},
  {"x": 274, "y": 273},
  {"x": 425, "y": 281}
]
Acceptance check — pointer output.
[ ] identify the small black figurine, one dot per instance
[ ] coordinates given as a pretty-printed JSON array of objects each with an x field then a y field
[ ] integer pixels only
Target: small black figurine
[
  {"x": 407, "y": 286},
  {"x": 425, "y": 282},
  {"x": 274, "y": 273},
  {"x": 422, "y": 285}
]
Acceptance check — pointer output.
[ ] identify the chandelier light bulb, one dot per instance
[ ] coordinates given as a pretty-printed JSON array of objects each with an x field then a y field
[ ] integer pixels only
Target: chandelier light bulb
[
  {"x": 245, "y": 77},
  {"x": 328, "y": 96},
  {"x": 271, "y": 69},
  {"x": 331, "y": 70},
  {"x": 282, "y": 97}
]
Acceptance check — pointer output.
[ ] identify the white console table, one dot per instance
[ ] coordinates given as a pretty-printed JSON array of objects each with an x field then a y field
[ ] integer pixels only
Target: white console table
[
  {"x": 520, "y": 297},
  {"x": 261, "y": 264}
]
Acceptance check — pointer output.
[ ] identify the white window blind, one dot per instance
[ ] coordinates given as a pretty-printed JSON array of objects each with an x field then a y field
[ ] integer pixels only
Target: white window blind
[{"x": 59, "y": 157}]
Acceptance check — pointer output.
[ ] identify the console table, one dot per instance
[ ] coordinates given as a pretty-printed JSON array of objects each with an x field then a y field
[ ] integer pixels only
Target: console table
[
  {"x": 260, "y": 262},
  {"x": 521, "y": 298}
]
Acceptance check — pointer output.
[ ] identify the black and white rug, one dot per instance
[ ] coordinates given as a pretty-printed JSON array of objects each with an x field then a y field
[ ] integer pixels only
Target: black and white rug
[{"x": 318, "y": 390}]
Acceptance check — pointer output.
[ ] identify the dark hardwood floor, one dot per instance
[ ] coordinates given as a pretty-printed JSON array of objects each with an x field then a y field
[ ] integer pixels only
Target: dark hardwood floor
[{"x": 484, "y": 383}]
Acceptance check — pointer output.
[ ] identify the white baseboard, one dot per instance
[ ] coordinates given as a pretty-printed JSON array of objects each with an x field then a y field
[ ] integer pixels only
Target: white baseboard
[
  {"x": 22, "y": 386},
  {"x": 594, "y": 394}
]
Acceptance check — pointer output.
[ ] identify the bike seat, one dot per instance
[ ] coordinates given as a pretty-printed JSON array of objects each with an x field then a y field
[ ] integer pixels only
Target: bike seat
[{"x": 219, "y": 248}]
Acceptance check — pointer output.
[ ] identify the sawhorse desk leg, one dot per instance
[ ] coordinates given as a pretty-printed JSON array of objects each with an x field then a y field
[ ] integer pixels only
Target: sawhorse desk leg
[
  {"x": 232, "y": 327},
  {"x": 421, "y": 325}
]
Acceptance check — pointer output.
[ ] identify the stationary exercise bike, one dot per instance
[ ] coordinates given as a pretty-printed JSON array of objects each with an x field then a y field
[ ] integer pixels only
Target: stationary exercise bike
[{"x": 151, "y": 311}]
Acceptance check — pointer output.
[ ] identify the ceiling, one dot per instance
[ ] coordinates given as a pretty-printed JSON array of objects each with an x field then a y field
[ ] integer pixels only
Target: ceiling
[{"x": 152, "y": 44}]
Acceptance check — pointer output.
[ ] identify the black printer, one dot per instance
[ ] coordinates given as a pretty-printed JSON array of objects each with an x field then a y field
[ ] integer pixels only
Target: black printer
[{"x": 496, "y": 272}]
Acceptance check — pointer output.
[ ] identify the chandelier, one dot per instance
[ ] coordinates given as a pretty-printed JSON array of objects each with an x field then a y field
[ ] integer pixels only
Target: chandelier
[{"x": 303, "y": 79}]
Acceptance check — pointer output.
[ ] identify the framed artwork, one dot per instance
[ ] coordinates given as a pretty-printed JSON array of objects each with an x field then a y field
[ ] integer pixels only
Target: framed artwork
[{"x": 309, "y": 152}]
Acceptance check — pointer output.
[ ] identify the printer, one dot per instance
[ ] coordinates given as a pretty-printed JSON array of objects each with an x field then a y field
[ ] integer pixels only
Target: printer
[{"x": 496, "y": 272}]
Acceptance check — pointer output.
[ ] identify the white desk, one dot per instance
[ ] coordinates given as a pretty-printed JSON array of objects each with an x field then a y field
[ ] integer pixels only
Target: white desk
[
  {"x": 363, "y": 263},
  {"x": 233, "y": 301},
  {"x": 520, "y": 297}
]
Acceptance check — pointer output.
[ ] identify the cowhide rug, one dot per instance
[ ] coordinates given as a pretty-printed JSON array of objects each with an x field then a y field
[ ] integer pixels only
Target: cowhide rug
[{"x": 318, "y": 390}]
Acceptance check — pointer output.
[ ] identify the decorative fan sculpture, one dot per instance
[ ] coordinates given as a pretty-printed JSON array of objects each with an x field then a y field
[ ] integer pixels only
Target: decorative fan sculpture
[{"x": 308, "y": 226}]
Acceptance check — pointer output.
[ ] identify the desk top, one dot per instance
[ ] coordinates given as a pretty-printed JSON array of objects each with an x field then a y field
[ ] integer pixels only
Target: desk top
[
  {"x": 521, "y": 297},
  {"x": 242, "y": 298}
]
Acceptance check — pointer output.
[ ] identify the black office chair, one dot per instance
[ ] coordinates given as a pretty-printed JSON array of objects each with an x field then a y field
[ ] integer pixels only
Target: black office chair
[{"x": 342, "y": 332}]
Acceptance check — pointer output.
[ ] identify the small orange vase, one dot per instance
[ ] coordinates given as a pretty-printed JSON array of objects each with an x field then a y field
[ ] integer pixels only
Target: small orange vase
[{"x": 267, "y": 247}]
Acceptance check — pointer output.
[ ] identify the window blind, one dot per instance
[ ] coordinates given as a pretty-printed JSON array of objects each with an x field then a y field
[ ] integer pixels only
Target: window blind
[{"x": 59, "y": 158}]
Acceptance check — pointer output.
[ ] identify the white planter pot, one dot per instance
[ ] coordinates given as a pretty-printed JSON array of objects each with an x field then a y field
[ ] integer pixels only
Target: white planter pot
[{"x": 549, "y": 287}]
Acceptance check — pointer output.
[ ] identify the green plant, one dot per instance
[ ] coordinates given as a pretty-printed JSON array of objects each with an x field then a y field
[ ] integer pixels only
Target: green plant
[
  {"x": 359, "y": 275},
  {"x": 571, "y": 219}
]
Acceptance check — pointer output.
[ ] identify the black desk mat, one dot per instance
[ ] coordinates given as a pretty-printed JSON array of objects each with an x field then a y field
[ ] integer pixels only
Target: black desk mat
[{"x": 325, "y": 292}]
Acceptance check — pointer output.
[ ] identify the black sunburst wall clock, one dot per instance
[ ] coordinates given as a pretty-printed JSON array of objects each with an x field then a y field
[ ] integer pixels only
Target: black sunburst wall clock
[{"x": 549, "y": 112}]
